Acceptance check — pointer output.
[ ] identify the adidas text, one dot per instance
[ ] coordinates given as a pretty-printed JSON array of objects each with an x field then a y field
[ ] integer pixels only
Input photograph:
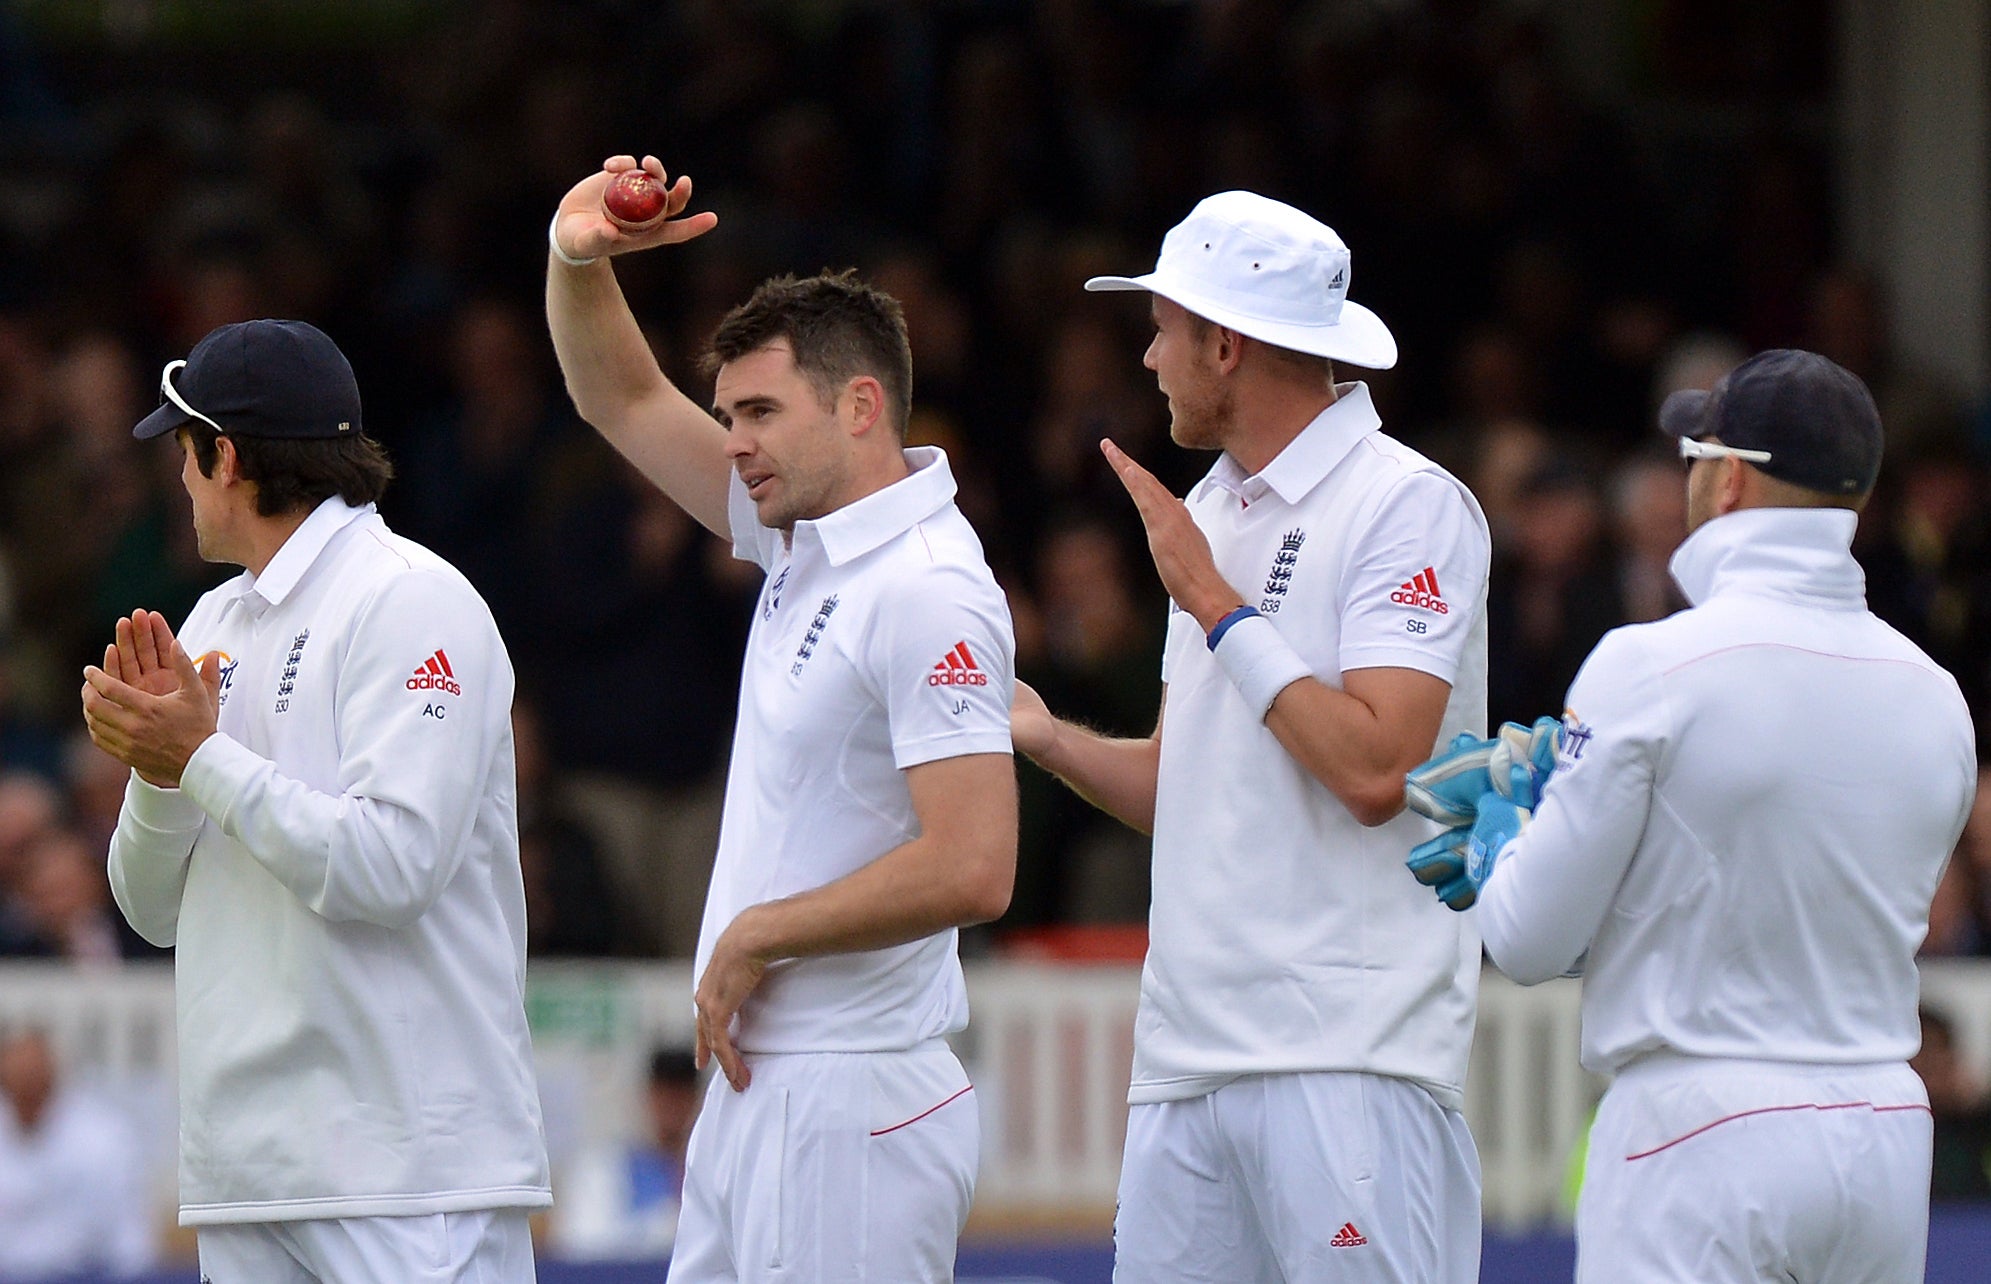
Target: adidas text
[
  {"x": 1408, "y": 597},
  {"x": 432, "y": 682},
  {"x": 957, "y": 678}
]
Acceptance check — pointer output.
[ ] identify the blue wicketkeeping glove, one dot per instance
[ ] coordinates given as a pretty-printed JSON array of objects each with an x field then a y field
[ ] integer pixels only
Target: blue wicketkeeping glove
[
  {"x": 1520, "y": 772},
  {"x": 1515, "y": 762},
  {"x": 1448, "y": 787},
  {"x": 1457, "y": 863}
]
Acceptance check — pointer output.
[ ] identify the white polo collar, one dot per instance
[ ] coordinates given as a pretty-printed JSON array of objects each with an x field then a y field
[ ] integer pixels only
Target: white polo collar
[
  {"x": 1308, "y": 458},
  {"x": 865, "y": 524},
  {"x": 300, "y": 551},
  {"x": 1798, "y": 554}
]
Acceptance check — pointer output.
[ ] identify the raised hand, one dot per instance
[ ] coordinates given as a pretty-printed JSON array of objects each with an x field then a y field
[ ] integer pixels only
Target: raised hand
[
  {"x": 1181, "y": 553},
  {"x": 582, "y": 231}
]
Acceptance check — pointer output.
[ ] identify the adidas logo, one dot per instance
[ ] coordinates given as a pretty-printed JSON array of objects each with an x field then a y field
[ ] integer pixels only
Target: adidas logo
[
  {"x": 1347, "y": 1237},
  {"x": 1339, "y": 281},
  {"x": 958, "y": 669},
  {"x": 434, "y": 674},
  {"x": 1422, "y": 590}
]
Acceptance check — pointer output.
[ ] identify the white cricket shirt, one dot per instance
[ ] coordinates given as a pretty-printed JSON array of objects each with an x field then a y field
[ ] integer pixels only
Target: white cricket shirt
[
  {"x": 339, "y": 872},
  {"x": 1753, "y": 804},
  {"x": 1284, "y": 935},
  {"x": 880, "y": 642}
]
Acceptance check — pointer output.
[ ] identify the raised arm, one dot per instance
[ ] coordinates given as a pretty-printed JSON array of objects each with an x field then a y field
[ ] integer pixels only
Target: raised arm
[
  {"x": 1359, "y": 738},
  {"x": 611, "y": 373}
]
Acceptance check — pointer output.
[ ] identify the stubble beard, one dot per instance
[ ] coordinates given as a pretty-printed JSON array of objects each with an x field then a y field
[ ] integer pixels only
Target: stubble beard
[{"x": 1201, "y": 422}]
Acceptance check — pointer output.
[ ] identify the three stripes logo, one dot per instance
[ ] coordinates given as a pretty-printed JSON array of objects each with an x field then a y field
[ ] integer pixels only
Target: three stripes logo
[
  {"x": 1347, "y": 1237},
  {"x": 1421, "y": 590},
  {"x": 957, "y": 669},
  {"x": 434, "y": 674}
]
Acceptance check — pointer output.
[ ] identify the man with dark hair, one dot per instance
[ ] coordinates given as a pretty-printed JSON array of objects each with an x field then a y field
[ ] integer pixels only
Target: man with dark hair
[
  {"x": 321, "y": 817},
  {"x": 871, "y": 802},
  {"x": 1738, "y": 844}
]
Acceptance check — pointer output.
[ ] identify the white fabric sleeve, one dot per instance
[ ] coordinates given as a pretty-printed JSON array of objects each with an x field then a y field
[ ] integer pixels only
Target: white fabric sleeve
[
  {"x": 1555, "y": 883},
  {"x": 150, "y": 851},
  {"x": 941, "y": 654},
  {"x": 752, "y": 542},
  {"x": 1416, "y": 577},
  {"x": 414, "y": 764}
]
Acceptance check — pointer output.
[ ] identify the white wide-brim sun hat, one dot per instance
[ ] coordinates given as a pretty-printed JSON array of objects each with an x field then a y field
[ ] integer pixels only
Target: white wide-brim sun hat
[{"x": 1264, "y": 269}]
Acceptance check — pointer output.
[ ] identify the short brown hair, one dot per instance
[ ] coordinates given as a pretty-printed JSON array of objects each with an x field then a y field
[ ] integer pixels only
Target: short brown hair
[
  {"x": 299, "y": 473},
  {"x": 839, "y": 328}
]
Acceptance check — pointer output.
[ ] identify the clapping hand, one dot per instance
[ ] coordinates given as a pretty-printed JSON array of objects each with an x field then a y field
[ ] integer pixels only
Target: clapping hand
[{"x": 149, "y": 706}]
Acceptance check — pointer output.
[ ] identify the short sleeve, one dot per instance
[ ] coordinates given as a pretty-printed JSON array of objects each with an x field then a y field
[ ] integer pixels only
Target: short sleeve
[
  {"x": 752, "y": 542},
  {"x": 942, "y": 653},
  {"x": 1416, "y": 579}
]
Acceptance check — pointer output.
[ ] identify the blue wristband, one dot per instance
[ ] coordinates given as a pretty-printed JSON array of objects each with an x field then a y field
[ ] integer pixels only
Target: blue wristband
[{"x": 1224, "y": 625}]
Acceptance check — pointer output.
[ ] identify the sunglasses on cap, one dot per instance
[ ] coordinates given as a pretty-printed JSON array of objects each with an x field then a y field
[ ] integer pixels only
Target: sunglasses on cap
[
  {"x": 1691, "y": 450},
  {"x": 167, "y": 392}
]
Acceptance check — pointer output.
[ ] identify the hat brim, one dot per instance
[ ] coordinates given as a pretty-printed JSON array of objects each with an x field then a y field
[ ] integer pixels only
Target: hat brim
[
  {"x": 165, "y": 419},
  {"x": 1685, "y": 413},
  {"x": 1359, "y": 338}
]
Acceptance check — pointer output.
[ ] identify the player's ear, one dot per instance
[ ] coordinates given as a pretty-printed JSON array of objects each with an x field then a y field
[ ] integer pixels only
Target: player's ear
[
  {"x": 864, "y": 403},
  {"x": 227, "y": 464},
  {"x": 1227, "y": 346}
]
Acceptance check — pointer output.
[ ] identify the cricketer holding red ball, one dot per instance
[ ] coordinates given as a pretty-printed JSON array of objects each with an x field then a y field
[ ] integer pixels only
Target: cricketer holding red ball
[{"x": 871, "y": 801}]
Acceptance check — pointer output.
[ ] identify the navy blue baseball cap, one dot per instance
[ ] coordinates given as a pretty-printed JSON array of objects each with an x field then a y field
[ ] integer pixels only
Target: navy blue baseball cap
[
  {"x": 259, "y": 379},
  {"x": 1815, "y": 419}
]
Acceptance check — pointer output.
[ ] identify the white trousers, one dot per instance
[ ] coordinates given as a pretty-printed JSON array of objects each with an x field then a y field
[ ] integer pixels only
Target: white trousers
[
  {"x": 493, "y": 1246},
  {"x": 849, "y": 1167},
  {"x": 1293, "y": 1178},
  {"x": 1733, "y": 1171}
]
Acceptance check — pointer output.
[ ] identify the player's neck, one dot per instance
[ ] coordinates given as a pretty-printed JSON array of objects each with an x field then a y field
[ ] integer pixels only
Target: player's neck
[
  {"x": 1268, "y": 419},
  {"x": 266, "y": 535}
]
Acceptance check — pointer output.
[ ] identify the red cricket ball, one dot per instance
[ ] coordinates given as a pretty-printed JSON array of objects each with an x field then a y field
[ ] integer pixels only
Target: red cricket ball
[{"x": 634, "y": 200}]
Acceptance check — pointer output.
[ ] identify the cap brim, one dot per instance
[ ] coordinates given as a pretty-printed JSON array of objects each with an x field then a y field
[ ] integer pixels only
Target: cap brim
[
  {"x": 1359, "y": 338},
  {"x": 1098, "y": 283},
  {"x": 161, "y": 421},
  {"x": 1684, "y": 413}
]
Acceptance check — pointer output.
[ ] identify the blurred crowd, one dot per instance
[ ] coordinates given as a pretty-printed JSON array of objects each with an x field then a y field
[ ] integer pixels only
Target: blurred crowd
[{"x": 1551, "y": 265}]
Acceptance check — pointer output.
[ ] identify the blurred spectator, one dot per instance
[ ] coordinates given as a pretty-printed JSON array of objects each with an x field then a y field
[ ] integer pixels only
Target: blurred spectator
[
  {"x": 30, "y": 810},
  {"x": 73, "y": 1191},
  {"x": 620, "y": 1202},
  {"x": 1926, "y": 548},
  {"x": 1648, "y": 522},
  {"x": 1960, "y": 917},
  {"x": 96, "y": 784},
  {"x": 1551, "y": 592},
  {"x": 1957, "y": 1102},
  {"x": 1505, "y": 454},
  {"x": 1696, "y": 360},
  {"x": 631, "y": 645},
  {"x": 569, "y": 905},
  {"x": 1095, "y": 655},
  {"x": 470, "y": 473},
  {"x": 65, "y": 899},
  {"x": 1546, "y": 252},
  {"x": 1846, "y": 322}
]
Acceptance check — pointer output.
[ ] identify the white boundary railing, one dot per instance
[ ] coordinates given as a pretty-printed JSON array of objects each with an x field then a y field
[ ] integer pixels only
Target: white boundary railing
[{"x": 1049, "y": 1049}]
